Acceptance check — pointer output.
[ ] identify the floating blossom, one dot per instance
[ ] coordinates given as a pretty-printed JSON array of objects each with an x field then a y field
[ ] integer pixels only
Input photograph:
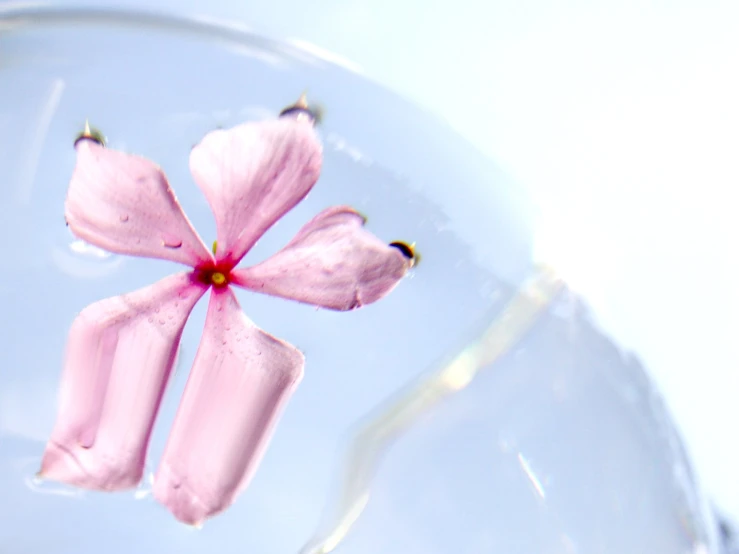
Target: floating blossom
[{"x": 121, "y": 351}]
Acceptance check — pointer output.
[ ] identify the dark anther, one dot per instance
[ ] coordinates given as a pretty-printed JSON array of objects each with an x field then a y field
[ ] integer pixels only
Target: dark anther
[
  {"x": 301, "y": 109},
  {"x": 90, "y": 134},
  {"x": 408, "y": 250}
]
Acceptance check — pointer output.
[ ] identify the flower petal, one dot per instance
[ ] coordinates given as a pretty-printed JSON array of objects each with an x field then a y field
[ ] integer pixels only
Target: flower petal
[
  {"x": 252, "y": 175},
  {"x": 119, "y": 357},
  {"x": 332, "y": 262},
  {"x": 124, "y": 204},
  {"x": 240, "y": 380}
]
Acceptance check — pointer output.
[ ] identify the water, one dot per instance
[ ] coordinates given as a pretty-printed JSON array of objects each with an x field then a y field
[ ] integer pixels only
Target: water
[{"x": 475, "y": 409}]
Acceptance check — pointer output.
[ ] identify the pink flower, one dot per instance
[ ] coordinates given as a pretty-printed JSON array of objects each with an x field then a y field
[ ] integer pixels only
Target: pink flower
[{"x": 121, "y": 350}]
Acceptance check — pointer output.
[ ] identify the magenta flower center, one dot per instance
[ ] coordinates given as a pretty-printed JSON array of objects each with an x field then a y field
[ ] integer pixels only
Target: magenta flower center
[{"x": 218, "y": 275}]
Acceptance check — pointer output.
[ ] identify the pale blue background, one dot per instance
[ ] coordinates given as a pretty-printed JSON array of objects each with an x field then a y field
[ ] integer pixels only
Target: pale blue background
[{"x": 620, "y": 115}]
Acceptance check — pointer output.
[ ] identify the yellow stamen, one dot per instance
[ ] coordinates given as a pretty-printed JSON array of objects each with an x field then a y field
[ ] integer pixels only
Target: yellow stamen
[
  {"x": 215, "y": 245},
  {"x": 218, "y": 278}
]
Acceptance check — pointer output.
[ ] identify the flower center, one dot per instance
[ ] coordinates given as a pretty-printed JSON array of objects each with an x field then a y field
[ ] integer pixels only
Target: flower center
[{"x": 217, "y": 276}]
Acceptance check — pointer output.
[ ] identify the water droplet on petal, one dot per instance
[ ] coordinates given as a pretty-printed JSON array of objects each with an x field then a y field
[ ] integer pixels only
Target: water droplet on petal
[
  {"x": 151, "y": 320},
  {"x": 161, "y": 322},
  {"x": 170, "y": 242},
  {"x": 225, "y": 342},
  {"x": 123, "y": 218}
]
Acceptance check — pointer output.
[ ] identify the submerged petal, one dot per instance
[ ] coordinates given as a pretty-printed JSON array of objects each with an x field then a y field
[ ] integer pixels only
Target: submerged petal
[
  {"x": 124, "y": 204},
  {"x": 239, "y": 382},
  {"x": 120, "y": 353},
  {"x": 252, "y": 175},
  {"x": 333, "y": 262}
]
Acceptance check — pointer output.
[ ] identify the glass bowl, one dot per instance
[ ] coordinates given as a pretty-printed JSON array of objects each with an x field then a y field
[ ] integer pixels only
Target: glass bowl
[{"x": 475, "y": 409}]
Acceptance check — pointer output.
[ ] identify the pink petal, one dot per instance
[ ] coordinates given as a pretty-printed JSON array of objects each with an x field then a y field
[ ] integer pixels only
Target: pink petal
[
  {"x": 252, "y": 175},
  {"x": 124, "y": 204},
  {"x": 332, "y": 262},
  {"x": 120, "y": 353},
  {"x": 240, "y": 380}
]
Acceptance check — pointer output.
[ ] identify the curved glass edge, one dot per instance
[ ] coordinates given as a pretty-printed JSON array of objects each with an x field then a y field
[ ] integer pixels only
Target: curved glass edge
[
  {"x": 370, "y": 443},
  {"x": 374, "y": 438},
  {"x": 20, "y": 14}
]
